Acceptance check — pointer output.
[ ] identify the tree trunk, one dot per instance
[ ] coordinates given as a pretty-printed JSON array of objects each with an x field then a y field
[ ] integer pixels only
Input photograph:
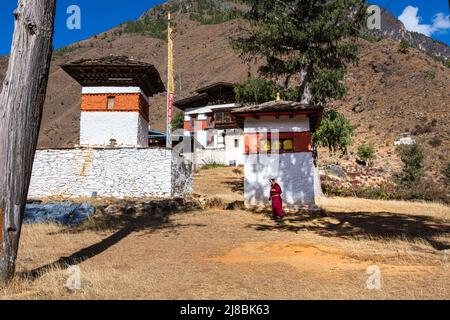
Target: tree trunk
[
  {"x": 21, "y": 104},
  {"x": 306, "y": 98},
  {"x": 306, "y": 77}
]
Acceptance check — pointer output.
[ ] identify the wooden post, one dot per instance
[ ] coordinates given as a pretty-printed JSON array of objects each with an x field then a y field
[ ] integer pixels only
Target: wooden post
[{"x": 21, "y": 104}]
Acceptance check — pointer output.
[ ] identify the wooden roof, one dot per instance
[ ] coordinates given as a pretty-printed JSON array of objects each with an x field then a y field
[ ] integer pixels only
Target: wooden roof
[
  {"x": 217, "y": 87},
  {"x": 277, "y": 107},
  {"x": 116, "y": 71},
  {"x": 216, "y": 93}
]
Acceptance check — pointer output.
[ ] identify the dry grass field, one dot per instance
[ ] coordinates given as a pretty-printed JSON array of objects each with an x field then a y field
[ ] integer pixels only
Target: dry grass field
[{"x": 192, "y": 253}]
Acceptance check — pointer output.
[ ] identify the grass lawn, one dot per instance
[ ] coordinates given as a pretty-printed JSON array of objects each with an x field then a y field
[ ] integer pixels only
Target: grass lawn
[{"x": 189, "y": 253}]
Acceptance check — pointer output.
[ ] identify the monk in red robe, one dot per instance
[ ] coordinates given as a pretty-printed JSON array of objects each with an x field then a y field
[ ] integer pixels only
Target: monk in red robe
[{"x": 277, "y": 202}]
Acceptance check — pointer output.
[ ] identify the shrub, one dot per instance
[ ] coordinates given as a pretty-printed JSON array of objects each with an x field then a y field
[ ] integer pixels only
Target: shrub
[
  {"x": 156, "y": 28},
  {"x": 211, "y": 12},
  {"x": 434, "y": 123},
  {"x": 214, "y": 16},
  {"x": 335, "y": 132},
  {"x": 404, "y": 47},
  {"x": 212, "y": 165},
  {"x": 421, "y": 192},
  {"x": 412, "y": 157},
  {"x": 435, "y": 142},
  {"x": 366, "y": 153},
  {"x": 215, "y": 202},
  {"x": 419, "y": 130},
  {"x": 446, "y": 173},
  {"x": 61, "y": 52},
  {"x": 178, "y": 121}
]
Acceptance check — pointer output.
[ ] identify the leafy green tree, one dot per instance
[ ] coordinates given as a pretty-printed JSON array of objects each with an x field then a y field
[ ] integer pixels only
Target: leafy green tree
[
  {"x": 258, "y": 90},
  {"x": 335, "y": 132},
  {"x": 412, "y": 157},
  {"x": 366, "y": 153},
  {"x": 178, "y": 121},
  {"x": 310, "y": 41}
]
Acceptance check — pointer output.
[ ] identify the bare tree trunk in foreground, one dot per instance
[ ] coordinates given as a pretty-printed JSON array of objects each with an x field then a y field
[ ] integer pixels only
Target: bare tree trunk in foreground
[{"x": 21, "y": 104}]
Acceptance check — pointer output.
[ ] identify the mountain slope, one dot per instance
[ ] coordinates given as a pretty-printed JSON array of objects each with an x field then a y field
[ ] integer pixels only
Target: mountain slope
[
  {"x": 389, "y": 92},
  {"x": 392, "y": 28}
]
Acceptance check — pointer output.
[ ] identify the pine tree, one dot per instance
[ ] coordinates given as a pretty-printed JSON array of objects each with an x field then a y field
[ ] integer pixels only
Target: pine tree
[{"x": 309, "y": 41}]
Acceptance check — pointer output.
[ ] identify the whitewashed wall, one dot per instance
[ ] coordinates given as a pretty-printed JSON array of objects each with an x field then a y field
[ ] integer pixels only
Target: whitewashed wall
[
  {"x": 98, "y": 128},
  {"x": 234, "y": 153},
  {"x": 201, "y": 136},
  {"x": 120, "y": 173},
  {"x": 142, "y": 133},
  {"x": 206, "y": 156},
  {"x": 113, "y": 90},
  {"x": 294, "y": 172},
  {"x": 298, "y": 123}
]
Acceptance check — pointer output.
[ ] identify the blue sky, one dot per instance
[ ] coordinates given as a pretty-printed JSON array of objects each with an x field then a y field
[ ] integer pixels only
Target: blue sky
[
  {"x": 96, "y": 16},
  {"x": 101, "y": 15}
]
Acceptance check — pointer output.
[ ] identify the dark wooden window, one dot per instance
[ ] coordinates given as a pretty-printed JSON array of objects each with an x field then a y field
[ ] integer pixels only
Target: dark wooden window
[{"x": 223, "y": 117}]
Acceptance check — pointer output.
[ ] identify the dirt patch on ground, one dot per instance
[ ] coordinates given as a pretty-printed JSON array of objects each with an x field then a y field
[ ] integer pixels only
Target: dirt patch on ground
[
  {"x": 302, "y": 256},
  {"x": 322, "y": 259}
]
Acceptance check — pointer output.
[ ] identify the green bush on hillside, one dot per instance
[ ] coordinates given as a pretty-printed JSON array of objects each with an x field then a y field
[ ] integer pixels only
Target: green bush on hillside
[
  {"x": 366, "y": 153},
  {"x": 446, "y": 173},
  {"x": 412, "y": 157}
]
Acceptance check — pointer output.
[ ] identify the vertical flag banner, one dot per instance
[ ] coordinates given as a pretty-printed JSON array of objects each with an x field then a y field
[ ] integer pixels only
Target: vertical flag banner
[{"x": 170, "y": 83}]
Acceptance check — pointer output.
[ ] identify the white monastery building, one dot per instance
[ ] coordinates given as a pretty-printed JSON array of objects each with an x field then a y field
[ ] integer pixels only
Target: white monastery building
[
  {"x": 278, "y": 144},
  {"x": 216, "y": 137},
  {"x": 114, "y": 158}
]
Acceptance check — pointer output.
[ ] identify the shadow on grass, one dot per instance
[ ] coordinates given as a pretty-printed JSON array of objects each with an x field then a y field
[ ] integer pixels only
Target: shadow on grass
[
  {"x": 236, "y": 186},
  {"x": 356, "y": 225},
  {"x": 123, "y": 219}
]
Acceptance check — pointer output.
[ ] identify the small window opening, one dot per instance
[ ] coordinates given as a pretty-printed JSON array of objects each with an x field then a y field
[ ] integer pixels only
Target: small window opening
[{"x": 111, "y": 103}]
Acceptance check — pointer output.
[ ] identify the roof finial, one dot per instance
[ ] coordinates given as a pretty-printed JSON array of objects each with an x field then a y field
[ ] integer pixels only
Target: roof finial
[{"x": 278, "y": 96}]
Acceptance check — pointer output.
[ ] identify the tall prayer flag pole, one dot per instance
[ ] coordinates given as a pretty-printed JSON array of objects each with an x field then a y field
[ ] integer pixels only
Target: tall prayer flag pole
[{"x": 170, "y": 84}]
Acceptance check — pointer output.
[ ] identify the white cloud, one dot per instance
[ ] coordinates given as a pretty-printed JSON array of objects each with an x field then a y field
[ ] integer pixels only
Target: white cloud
[
  {"x": 441, "y": 22},
  {"x": 412, "y": 22}
]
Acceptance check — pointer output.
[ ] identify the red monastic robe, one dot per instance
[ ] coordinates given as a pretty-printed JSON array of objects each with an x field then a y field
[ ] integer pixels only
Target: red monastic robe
[{"x": 277, "y": 203}]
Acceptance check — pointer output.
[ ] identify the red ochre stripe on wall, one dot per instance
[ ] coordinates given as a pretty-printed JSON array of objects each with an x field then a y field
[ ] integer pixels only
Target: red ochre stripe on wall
[
  {"x": 301, "y": 141},
  {"x": 198, "y": 125},
  {"x": 124, "y": 102}
]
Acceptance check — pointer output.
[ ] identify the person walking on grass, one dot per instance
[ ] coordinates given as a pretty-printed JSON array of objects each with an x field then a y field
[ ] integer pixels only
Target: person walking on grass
[{"x": 275, "y": 197}]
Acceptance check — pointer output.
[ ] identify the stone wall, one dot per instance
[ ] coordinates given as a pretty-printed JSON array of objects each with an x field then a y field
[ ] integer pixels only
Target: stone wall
[{"x": 120, "y": 173}]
